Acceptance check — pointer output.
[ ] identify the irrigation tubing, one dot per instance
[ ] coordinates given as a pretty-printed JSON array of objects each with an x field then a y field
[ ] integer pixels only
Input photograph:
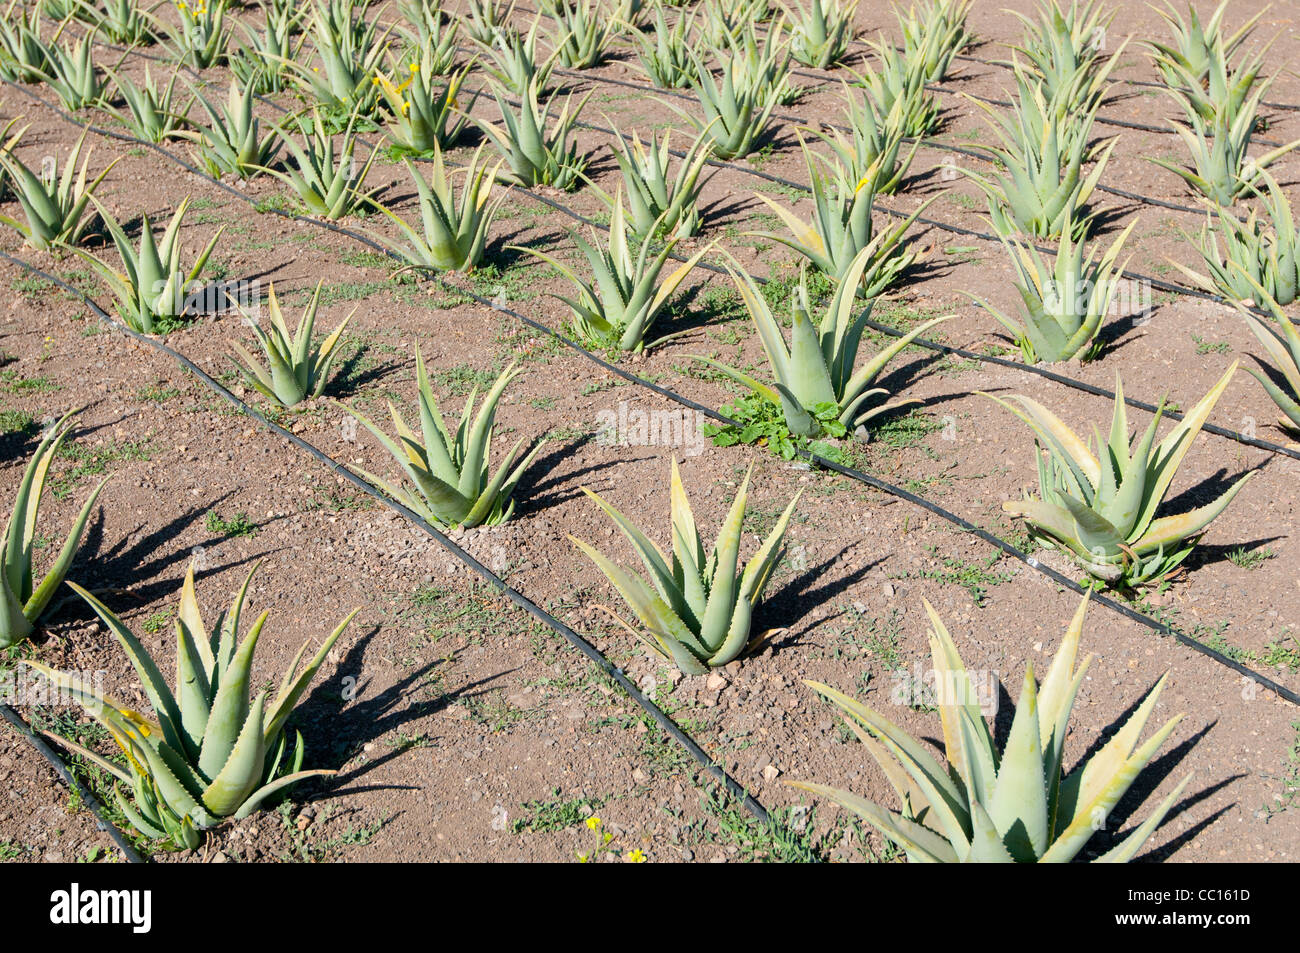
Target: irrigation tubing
[
  {"x": 65, "y": 774},
  {"x": 734, "y": 788},
  {"x": 1155, "y": 625}
]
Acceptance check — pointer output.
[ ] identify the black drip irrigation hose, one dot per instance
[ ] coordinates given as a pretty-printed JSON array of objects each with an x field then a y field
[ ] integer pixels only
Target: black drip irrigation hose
[
  {"x": 1155, "y": 625},
  {"x": 67, "y": 777},
  {"x": 734, "y": 788}
]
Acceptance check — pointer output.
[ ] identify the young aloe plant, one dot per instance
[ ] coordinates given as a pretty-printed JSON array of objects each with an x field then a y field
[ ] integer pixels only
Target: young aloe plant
[
  {"x": 261, "y": 61},
  {"x": 450, "y": 468},
  {"x": 73, "y": 75},
  {"x": 1284, "y": 348},
  {"x": 726, "y": 20},
  {"x": 1065, "y": 302},
  {"x": 900, "y": 84},
  {"x": 735, "y": 118},
  {"x": 699, "y": 615},
  {"x": 873, "y": 152},
  {"x": 1064, "y": 46},
  {"x": 24, "y": 598},
  {"x": 426, "y": 18},
  {"x": 759, "y": 66},
  {"x": 1198, "y": 64},
  {"x": 233, "y": 143},
  {"x": 935, "y": 34},
  {"x": 582, "y": 33},
  {"x": 1261, "y": 254},
  {"x": 453, "y": 237},
  {"x": 515, "y": 64},
  {"x": 485, "y": 19},
  {"x": 1017, "y": 805},
  {"x": 821, "y": 35},
  {"x": 151, "y": 291},
  {"x": 815, "y": 376},
  {"x": 665, "y": 54},
  {"x": 122, "y": 21},
  {"x": 621, "y": 306},
  {"x": 56, "y": 209},
  {"x": 1102, "y": 513},
  {"x": 349, "y": 50},
  {"x": 151, "y": 112},
  {"x": 654, "y": 199},
  {"x": 201, "y": 38},
  {"x": 297, "y": 368},
  {"x": 210, "y": 752},
  {"x": 425, "y": 112},
  {"x": 842, "y": 232},
  {"x": 24, "y": 56},
  {"x": 1222, "y": 170},
  {"x": 328, "y": 182},
  {"x": 535, "y": 154},
  {"x": 1043, "y": 151}
]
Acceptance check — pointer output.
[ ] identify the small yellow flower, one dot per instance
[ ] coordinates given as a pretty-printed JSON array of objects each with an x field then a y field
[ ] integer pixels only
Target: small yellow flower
[
  {"x": 607, "y": 838},
  {"x": 582, "y": 858},
  {"x": 593, "y": 822},
  {"x": 415, "y": 67},
  {"x": 636, "y": 856}
]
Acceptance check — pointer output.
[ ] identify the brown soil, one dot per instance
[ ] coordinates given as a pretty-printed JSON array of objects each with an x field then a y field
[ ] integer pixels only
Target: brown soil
[{"x": 460, "y": 727}]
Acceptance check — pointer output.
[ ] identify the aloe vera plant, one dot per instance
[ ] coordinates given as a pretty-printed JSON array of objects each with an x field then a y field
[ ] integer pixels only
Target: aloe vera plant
[
  {"x": 425, "y": 110},
  {"x": 736, "y": 118},
  {"x": 665, "y": 53},
  {"x": 73, "y": 75},
  {"x": 1065, "y": 302},
  {"x": 122, "y": 21},
  {"x": 453, "y": 234},
  {"x": 1284, "y": 348},
  {"x": 899, "y": 83},
  {"x": 1259, "y": 255},
  {"x": 24, "y": 56},
  {"x": 328, "y": 181},
  {"x": 24, "y": 598},
  {"x": 536, "y": 151},
  {"x": 55, "y": 209},
  {"x": 514, "y": 61},
  {"x": 726, "y": 20},
  {"x": 450, "y": 470},
  {"x": 619, "y": 305},
  {"x": 211, "y": 751},
  {"x": 934, "y": 32},
  {"x": 656, "y": 200},
  {"x": 1043, "y": 152},
  {"x": 1102, "y": 512},
  {"x": 260, "y": 61},
  {"x": 699, "y": 613},
  {"x": 151, "y": 288},
  {"x": 233, "y": 142},
  {"x": 426, "y": 19},
  {"x": 1017, "y": 805},
  {"x": 583, "y": 31},
  {"x": 1221, "y": 169},
  {"x": 842, "y": 232},
  {"x": 1198, "y": 63},
  {"x": 151, "y": 112},
  {"x": 297, "y": 367},
  {"x": 817, "y": 374},
  {"x": 201, "y": 38},
  {"x": 873, "y": 153},
  {"x": 821, "y": 34},
  {"x": 760, "y": 66},
  {"x": 1064, "y": 45},
  {"x": 349, "y": 50},
  {"x": 484, "y": 19}
]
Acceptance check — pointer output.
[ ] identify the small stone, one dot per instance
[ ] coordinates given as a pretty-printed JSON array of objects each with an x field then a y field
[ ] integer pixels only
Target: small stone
[
  {"x": 716, "y": 682},
  {"x": 771, "y": 773}
]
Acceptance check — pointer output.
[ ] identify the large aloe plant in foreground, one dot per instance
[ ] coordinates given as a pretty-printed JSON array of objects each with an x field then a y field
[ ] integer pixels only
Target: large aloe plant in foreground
[
  {"x": 817, "y": 374},
  {"x": 209, "y": 752},
  {"x": 1013, "y": 805},
  {"x": 450, "y": 469},
  {"x": 24, "y": 598},
  {"x": 699, "y": 613},
  {"x": 1102, "y": 512}
]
